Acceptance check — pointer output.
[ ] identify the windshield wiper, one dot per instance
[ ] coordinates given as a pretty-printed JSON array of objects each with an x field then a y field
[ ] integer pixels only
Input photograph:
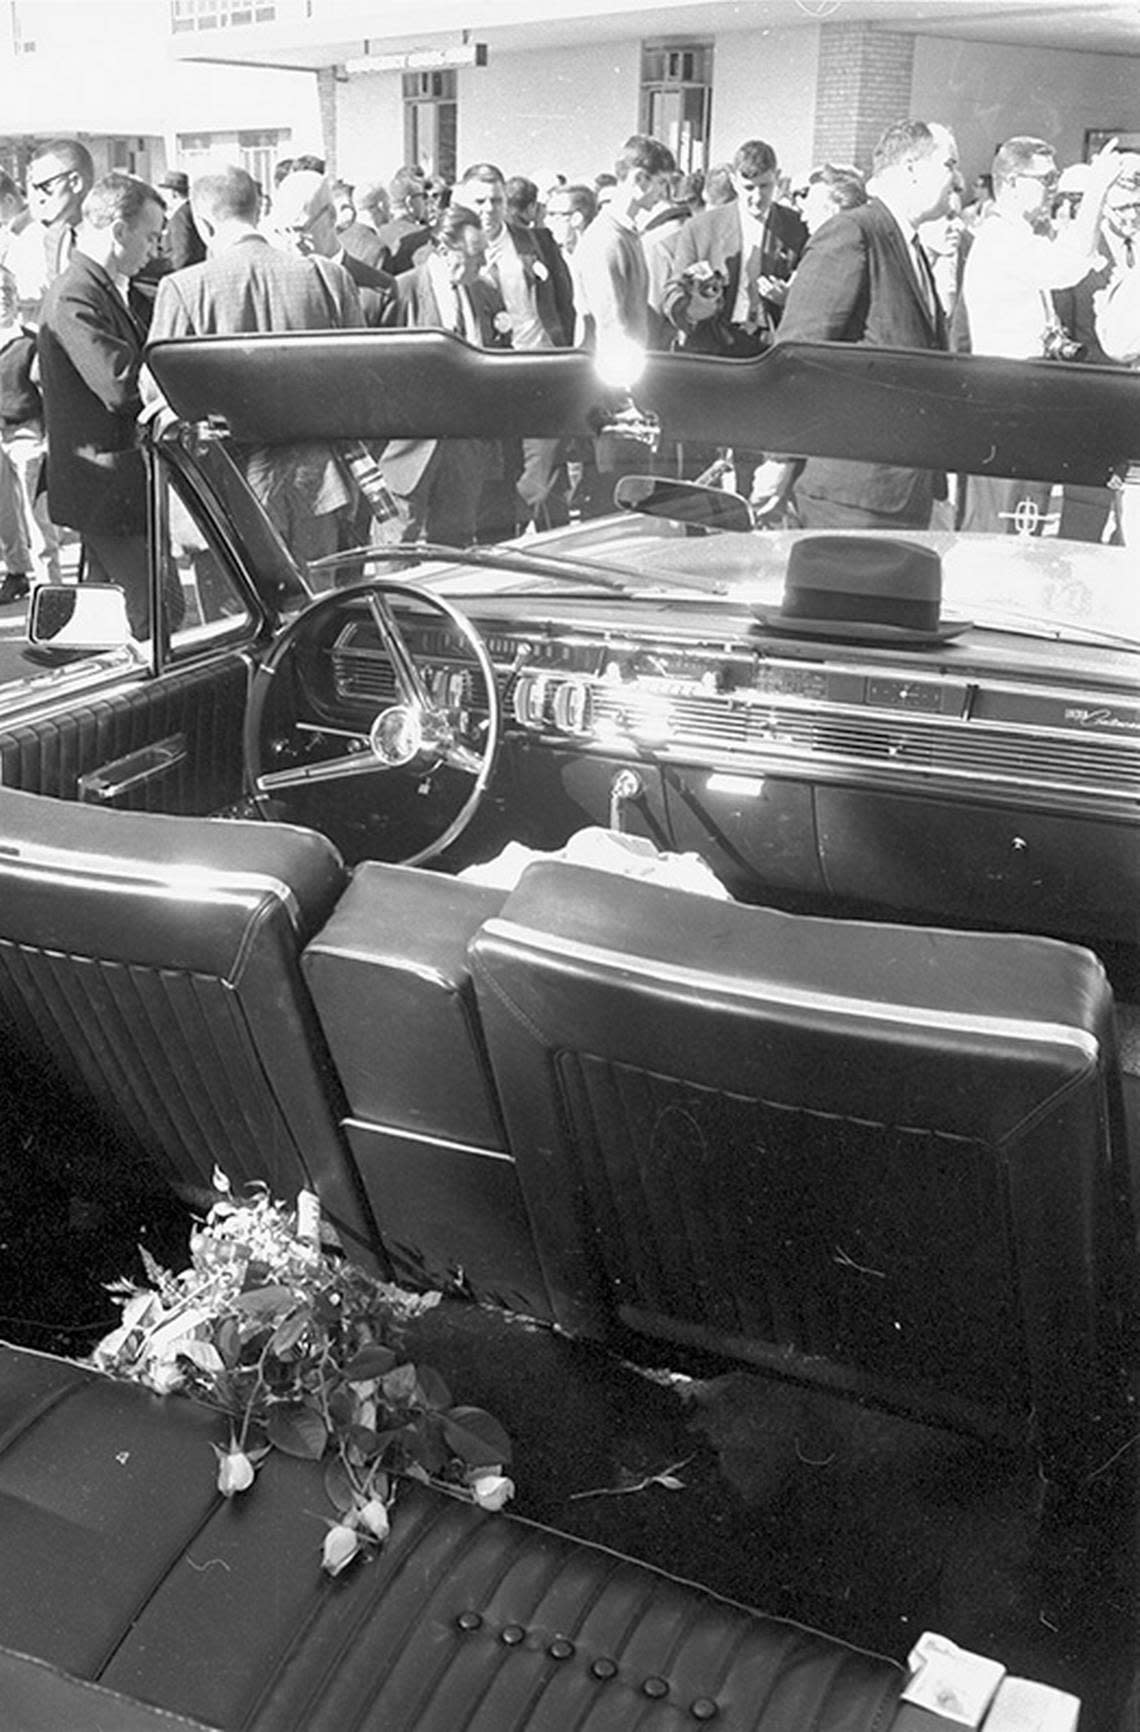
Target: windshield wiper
[{"x": 619, "y": 579}]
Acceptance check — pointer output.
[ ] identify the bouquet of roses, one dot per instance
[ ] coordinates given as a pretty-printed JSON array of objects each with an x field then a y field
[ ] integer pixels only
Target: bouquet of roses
[{"x": 274, "y": 1327}]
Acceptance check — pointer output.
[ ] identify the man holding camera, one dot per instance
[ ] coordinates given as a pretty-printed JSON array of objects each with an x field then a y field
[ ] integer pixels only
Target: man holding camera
[
  {"x": 1016, "y": 261},
  {"x": 732, "y": 265}
]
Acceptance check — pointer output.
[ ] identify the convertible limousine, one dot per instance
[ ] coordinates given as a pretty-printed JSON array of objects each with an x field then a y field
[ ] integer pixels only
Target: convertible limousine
[{"x": 706, "y": 948}]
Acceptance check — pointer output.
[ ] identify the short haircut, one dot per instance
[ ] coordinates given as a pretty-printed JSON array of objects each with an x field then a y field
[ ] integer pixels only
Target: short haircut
[
  {"x": 844, "y": 182},
  {"x": 1015, "y": 156},
  {"x": 718, "y": 184},
  {"x": 580, "y": 198},
  {"x": 9, "y": 296},
  {"x": 448, "y": 230},
  {"x": 484, "y": 171},
  {"x": 230, "y": 194},
  {"x": 690, "y": 188},
  {"x": 903, "y": 141},
  {"x": 754, "y": 157},
  {"x": 119, "y": 197},
  {"x": 75, "y": 156},
  {"x": 404, "y": 182},
  {"x": 647, "y": 154},
  {"x": 372, "y": 196},
  {"x": 521, "y": 193}
]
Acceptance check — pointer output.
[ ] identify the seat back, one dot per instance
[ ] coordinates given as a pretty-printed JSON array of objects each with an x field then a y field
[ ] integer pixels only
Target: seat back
[
  {"x": 390, "y": 979},
  {"x": 890, "y": 1159},
  {"x": 152, "y": 964}
]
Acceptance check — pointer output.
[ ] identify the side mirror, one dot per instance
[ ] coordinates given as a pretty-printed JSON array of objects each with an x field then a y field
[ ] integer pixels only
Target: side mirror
[
  {"x": 684, "y": 502},
  {"x": 83, "y": 616}
]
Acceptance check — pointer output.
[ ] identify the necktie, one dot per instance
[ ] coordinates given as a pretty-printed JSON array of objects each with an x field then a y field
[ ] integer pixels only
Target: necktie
[
  {"x": 752, "y": 319},
  {"x": 1129, "y": 252},
  {"x": 925, "y": 277}
]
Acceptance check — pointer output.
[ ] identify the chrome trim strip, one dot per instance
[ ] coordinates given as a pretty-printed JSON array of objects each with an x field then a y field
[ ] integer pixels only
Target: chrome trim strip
[
  {"x": 351, "y": 1122},
  {"x": 207, "y": 885},
  {"x": 793, "y": 998}
]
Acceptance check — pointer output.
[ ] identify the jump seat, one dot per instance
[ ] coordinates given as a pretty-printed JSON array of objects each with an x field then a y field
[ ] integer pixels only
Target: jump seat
[
  {"x": 390, "y": 979},
  {"x": 123, "y": 1571}
]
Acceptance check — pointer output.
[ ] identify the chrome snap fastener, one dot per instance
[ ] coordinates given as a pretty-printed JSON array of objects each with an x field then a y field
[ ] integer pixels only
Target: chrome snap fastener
[
  {"x": 560, "y": 1649},
  {"x": 604, "y": 1668},
  {"x": 703, "y": 1708},
  {"x": 512, "y": 1635},
  {"x": 655, "y": 1687},
  {"x": 469, "y": 1621}
]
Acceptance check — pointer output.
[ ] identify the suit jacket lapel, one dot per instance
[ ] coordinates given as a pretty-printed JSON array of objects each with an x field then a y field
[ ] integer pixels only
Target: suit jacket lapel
[
  {"x": 908, "y": 269},
  {"x": 101, "y": 280}
]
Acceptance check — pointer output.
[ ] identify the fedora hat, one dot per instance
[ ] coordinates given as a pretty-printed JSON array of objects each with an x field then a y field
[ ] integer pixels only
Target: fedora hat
[{"x": 864, "y": 587}]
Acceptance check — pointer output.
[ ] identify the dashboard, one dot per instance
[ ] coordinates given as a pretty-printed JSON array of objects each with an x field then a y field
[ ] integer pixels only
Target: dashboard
[{"x": 992, "y": 782}]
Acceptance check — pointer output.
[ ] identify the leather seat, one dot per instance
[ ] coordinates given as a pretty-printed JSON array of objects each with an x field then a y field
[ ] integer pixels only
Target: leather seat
[
  {"x": 886, "y": 1159},
  {"x": 389, "y": 976},
  {"x": 122, "y": 1568},
  {"x": 152, "y": 964}
]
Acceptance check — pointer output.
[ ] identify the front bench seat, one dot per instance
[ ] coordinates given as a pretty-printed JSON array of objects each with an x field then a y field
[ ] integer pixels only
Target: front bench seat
[
  {"x": 122, "y": 1567},
  {"x": 152, "y": 963},
  {"x": 886, "y": 1159}
]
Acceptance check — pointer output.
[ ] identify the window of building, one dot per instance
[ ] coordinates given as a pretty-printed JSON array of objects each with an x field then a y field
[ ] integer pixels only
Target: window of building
[
  {"x": 676, "y": 99},
  {"x": 257, "y": 152},
  {"x": 431, "y": 122},
  {"x": 218, "y": 14}
]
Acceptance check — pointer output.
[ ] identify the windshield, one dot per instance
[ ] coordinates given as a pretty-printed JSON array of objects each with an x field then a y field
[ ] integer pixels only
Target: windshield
[{"x": 330, "y": 506}]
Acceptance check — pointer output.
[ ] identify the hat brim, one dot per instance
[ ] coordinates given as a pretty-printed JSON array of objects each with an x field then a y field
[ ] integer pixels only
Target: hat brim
[{"x": 859, "y": 631}]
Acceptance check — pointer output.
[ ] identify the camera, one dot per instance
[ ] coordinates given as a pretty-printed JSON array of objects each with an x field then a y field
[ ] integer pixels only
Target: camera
[
  {"x": 704, "y": 279},
  {"x": 1059, "y": 346}
]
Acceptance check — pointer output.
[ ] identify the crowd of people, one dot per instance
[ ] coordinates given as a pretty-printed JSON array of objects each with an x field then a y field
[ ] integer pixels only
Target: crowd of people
[{"x": 1039, "y": 264}]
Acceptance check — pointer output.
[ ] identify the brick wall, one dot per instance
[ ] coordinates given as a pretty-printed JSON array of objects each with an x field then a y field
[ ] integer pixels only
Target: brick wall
[
  {"x": 327, "y": 103},
  {"x": 864, "y": 83}
]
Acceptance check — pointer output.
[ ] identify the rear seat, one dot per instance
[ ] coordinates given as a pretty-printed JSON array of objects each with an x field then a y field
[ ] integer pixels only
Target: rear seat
[{"x": 122, "y": 1570}]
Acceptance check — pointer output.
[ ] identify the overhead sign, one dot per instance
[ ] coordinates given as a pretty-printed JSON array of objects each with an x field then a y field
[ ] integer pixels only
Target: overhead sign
[{"x": 420, "y": 59}]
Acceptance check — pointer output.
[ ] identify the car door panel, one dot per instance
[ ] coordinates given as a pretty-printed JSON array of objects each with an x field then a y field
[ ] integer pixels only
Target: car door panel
[{"x": 170, "y": 744}]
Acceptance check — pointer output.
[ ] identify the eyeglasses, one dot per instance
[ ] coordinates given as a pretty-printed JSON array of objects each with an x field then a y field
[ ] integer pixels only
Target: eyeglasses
[
  {"x": 45, "y": 186},
  {"x": 1051, "y": 179}
]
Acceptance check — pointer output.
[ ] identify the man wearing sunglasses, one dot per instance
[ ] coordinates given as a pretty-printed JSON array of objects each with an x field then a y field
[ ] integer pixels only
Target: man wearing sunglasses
[
  {"x": 1017, "y": 260},
  {"x": 59, "y": 178}
]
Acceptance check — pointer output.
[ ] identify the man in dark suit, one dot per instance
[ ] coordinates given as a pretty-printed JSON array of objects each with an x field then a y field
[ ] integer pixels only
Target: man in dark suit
[
  {"x": 406, "y": 234},
  {"x": 729, "y": 275},
  {"x": 304, "y": 220},
  {"x": 361, "y": 239},
  {"x": 247, "y": 285},
  {"x": 438, "y": 482},
  {"x": 526, "y": 265},
  {"x": 182, "y": 245},
  {"x": 90, "y": 352},
  {"x": 864, "y": 278},
  {"x": 755, "y": 245}
]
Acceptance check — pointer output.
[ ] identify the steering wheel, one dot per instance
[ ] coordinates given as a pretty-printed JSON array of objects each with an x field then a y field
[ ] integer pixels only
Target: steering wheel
[{"x": 440, "y": 728}]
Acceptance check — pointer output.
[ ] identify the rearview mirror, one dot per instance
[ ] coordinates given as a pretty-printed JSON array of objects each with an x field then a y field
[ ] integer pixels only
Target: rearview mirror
[
  {"x": 87, "y": 616},
  {"x": 684, "y": 502}
]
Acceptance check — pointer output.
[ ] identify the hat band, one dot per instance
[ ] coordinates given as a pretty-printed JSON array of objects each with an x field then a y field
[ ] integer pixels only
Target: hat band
[{"x": 912, "y": 614}]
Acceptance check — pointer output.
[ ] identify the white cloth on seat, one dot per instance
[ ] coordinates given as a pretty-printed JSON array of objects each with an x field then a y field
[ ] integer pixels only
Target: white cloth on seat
[{"x": 608, "y": 851}]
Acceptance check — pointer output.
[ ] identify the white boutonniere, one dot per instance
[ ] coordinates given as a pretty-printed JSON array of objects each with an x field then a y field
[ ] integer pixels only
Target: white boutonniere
[
  {"x": 503, "y": 324},
  {"x": 540, "y": 271}
]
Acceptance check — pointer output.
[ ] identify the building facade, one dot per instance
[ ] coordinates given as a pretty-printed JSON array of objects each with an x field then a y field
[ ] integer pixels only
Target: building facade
[{"x": 547, "y": 87}]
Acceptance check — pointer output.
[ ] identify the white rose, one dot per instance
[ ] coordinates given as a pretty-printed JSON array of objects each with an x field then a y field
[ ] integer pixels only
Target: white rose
[
  {"x": 492, "y": 1490},
  {"x": 341, "y": 1546}
]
